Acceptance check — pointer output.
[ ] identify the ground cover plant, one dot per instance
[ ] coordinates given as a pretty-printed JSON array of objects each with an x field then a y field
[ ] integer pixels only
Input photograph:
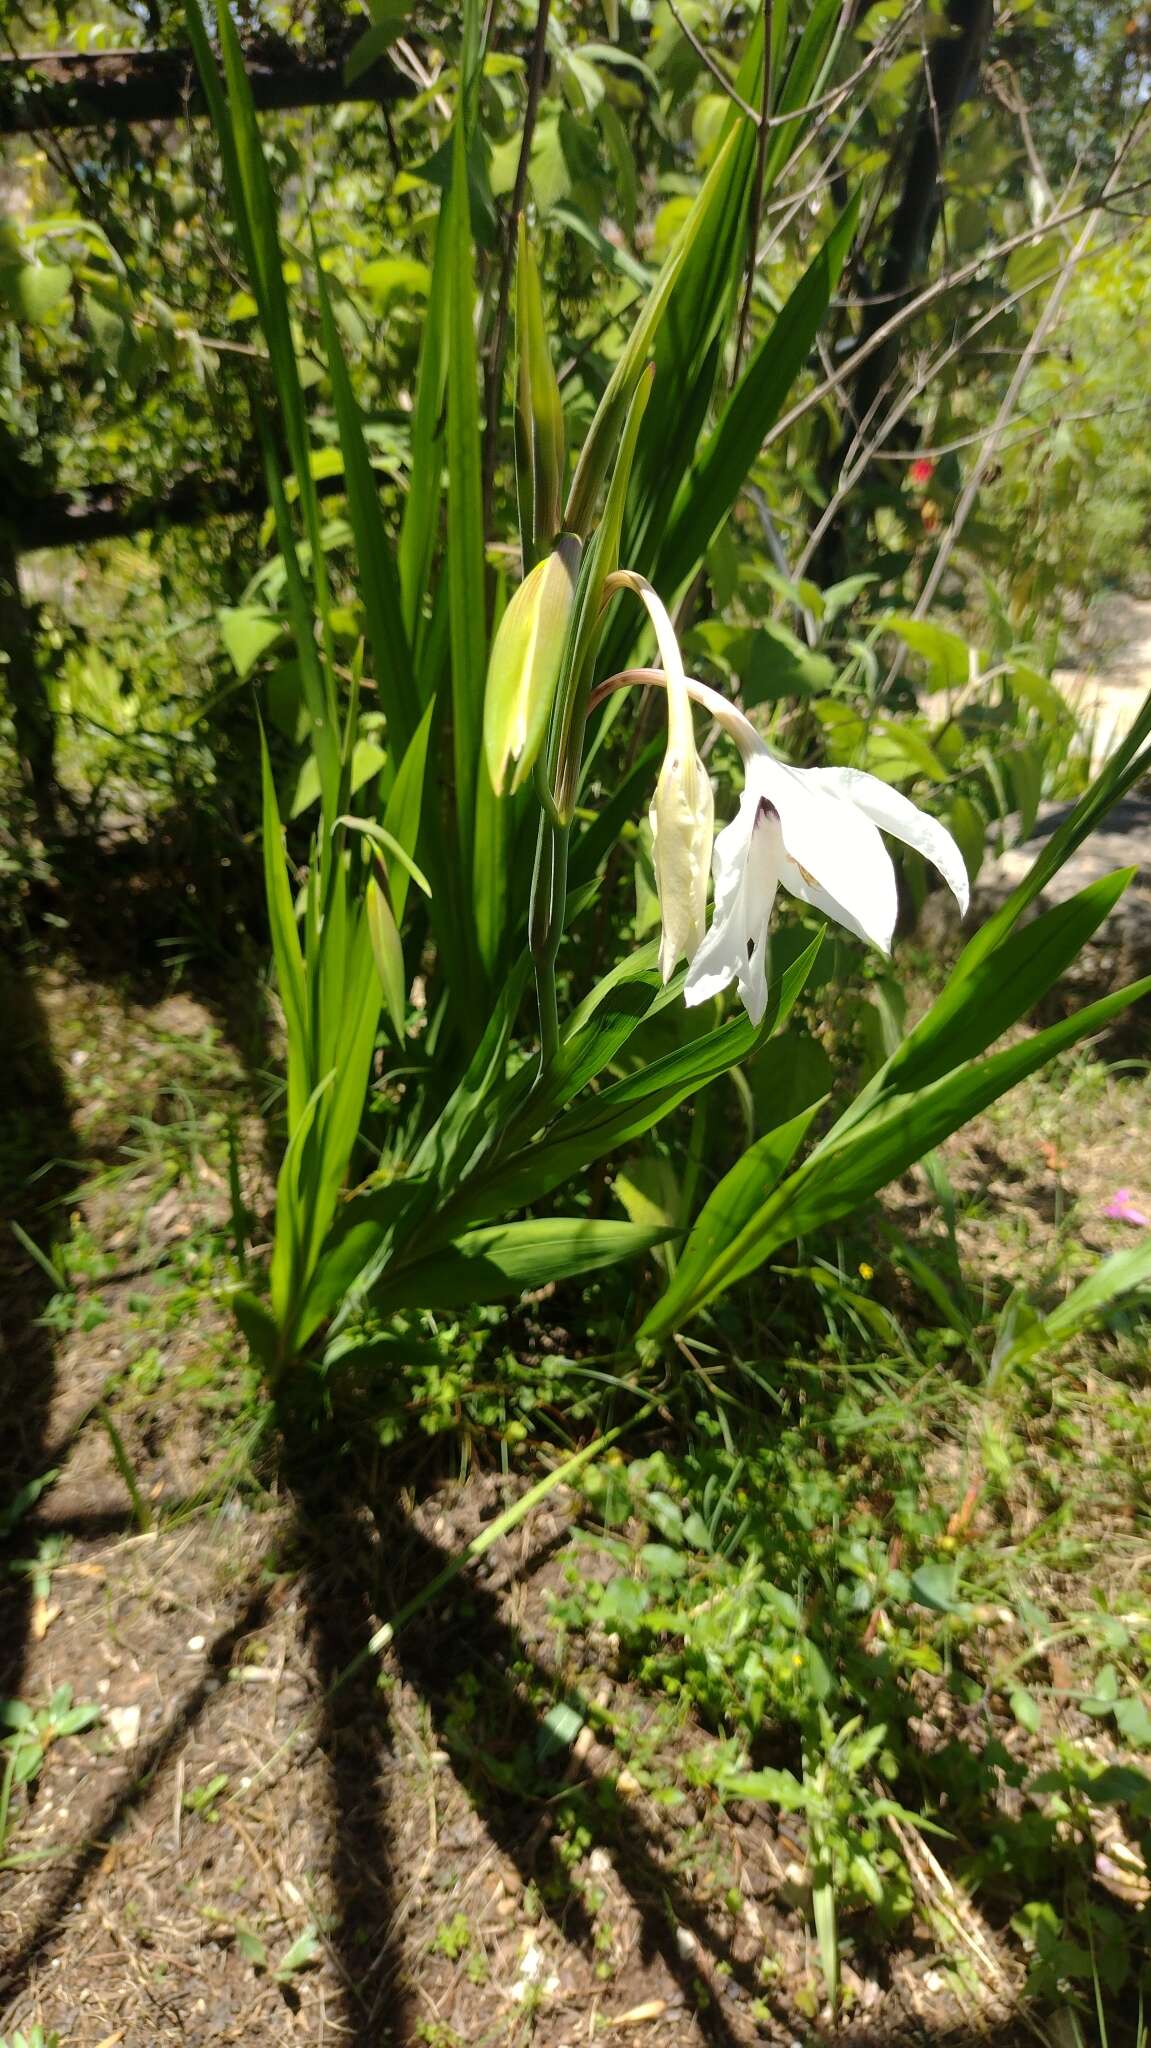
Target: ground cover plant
[{"x": 675, "y": 1536}]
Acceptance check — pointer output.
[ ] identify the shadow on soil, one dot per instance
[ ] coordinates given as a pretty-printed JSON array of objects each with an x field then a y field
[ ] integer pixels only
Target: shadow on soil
[
  {"x": 486, "y": 1692},
  {"x": 38, "y": 1150}
]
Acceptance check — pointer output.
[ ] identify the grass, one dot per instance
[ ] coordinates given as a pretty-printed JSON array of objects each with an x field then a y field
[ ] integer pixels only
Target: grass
[{"x": 847, "y": 1665}]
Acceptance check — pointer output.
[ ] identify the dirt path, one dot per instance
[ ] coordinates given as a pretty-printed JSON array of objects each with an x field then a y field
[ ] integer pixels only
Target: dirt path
[{"x": 1109, "y": 687}]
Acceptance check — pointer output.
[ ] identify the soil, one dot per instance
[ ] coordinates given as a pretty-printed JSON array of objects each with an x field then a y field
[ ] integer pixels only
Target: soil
[
  {"x": 243, "y": 1849},
  {"x": 251, "y": 1845}
]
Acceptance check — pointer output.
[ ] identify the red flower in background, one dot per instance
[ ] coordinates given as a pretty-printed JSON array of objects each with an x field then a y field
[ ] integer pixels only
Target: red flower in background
[{"x": 922, "y": 470}]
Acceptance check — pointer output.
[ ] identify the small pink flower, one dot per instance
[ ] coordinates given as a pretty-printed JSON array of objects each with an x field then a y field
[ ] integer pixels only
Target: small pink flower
[
  {"x": 922, "y": 470},
  {"x": 1122, "y": 1208}
]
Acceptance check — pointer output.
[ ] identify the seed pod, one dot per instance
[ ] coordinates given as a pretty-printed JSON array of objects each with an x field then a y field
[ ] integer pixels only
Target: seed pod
[{"x": 525, "y": 664}]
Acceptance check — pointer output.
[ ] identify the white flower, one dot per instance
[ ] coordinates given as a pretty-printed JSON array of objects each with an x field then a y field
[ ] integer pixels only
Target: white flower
[
  {"x": 682, "y": 814},
  {"x": 816, "y": 832}
]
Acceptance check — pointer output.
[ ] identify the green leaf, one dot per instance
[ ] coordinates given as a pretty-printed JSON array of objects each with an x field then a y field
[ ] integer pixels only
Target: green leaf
[
  {"x": 936, "y": 1585},
  {"x": 1025, "y": 1708},
  {"x": 379, "y": 584},
  {"x": 627, "y": 1108},
  {"x": 405, "y": 804},
  {"x": 388, "y": 843},
  {"x": 703, "y": 229},
  {"x": 946, "y": 657},
  {"x": 302, "y": 1954},
  {"x": 388, "y": 953},
  {"x": 1133, "y": 1722},
  {"x": 1113, "y": 1278},
  {"x": 388, "y": 276},
  {"x": 286, "y": 947},
  {"x": 719, "y": 471},
  {"x": 247, "y": 632},
  {"x": 777, "y": 1788},
  {"x": 540, "y": 436},
  {"x": 33, "y": 291},
  {"x": 465, "y": 542},
  {"x": 734, "y": 1201},
  {"x": 912, "y": 1103},
  {"x": 367, "y": 760},
  {"x": 389, "y": 22},
  {"x": 507, "y": 1259}
]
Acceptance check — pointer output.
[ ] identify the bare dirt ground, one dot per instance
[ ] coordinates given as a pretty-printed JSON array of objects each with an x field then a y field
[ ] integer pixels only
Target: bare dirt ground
[
  {"x": 242, "y": 1848},
  {"x": 246, "y": 1845},
  {"x": 1109, "y": 685}
]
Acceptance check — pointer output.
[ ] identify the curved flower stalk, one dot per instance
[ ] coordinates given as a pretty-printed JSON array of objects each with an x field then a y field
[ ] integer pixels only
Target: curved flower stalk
[{"x": 813, "y": 831}]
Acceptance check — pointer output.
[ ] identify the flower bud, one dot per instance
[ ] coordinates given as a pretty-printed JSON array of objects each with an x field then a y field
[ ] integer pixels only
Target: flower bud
[
  {"x": 682, "y": 819},
  {"x": 526, "y": 657}
]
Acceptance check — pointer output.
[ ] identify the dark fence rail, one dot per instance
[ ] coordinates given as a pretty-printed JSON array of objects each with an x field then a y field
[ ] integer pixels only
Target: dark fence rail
[{"x": 109, "y": 86}]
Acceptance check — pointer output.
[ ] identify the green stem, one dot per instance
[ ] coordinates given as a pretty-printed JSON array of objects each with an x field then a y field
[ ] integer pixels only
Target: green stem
[
  {"x": 545, "y": 929},
  {"x": 124, "y": 1468},
  {"x": 549, "y": 1014}
]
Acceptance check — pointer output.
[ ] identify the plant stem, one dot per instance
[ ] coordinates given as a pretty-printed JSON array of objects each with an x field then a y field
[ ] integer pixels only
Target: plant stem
[
  {"x": 549, "y": 1013},
  {"x": 124, "y": 1468},
  {"x": 546, "y": 922},
  {"x": 758, "y": 180},
  {"x": 495, "y": 372}
]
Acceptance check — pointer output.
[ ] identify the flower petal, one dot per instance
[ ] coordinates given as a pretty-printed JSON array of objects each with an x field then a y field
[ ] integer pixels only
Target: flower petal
[
  {"x": 746, "y": 864},
  {"x": 836, "y": 860},
  {"x": 895, "y": 813}
]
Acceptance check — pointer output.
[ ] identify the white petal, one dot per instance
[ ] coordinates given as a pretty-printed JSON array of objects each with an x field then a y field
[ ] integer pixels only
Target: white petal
[
  {"x": 895, "y": 813},
  {"x": 747, "y": 860},
  {"x": 836, "y": 860}
]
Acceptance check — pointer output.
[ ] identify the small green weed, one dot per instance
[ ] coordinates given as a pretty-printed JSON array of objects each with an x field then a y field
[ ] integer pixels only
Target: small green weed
[
  {"x": 454, "y": 1938},
  {"x": 34, "y": 1730},
  {"x": 201, "y": 1799}
]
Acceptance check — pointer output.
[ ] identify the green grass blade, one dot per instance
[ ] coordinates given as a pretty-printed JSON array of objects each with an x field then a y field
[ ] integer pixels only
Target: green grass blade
[
  {"x": 315, "y": 674},
  {"x": 465, "y": 537},
  {"x": 285, "y": 945},
  {"x": 379, "y": 584},
  {"x": 425, "y": 488},
  {"x": 405, "y": 804}
]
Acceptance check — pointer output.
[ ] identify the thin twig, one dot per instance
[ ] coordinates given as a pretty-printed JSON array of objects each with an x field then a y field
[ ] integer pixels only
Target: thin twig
[
  {"x": 1023, "y": 368},
  {"x": 862, "y": 452},
  {"x": 495, "y": 371},
  {"x": 718, "y": 73},
  {"x": 927, "y": 297}
]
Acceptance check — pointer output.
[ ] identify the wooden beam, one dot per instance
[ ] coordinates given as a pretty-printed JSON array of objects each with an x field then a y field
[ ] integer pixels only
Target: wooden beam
[{"x": 64, "y": 90}]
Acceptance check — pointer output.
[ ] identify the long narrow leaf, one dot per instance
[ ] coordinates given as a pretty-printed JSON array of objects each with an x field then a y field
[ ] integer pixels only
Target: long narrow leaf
[
  {"x": 848, "y": 1167},
  {"x": 722, "y": 466},
  {"x": 379, "y": 583},
  {"x": 487, "y": 1265}
]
